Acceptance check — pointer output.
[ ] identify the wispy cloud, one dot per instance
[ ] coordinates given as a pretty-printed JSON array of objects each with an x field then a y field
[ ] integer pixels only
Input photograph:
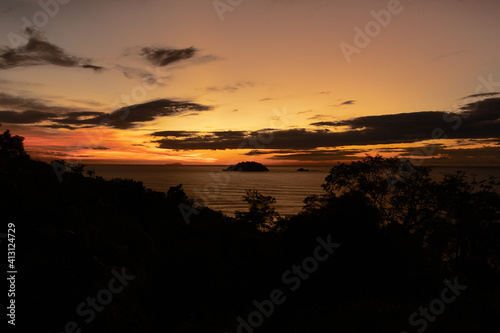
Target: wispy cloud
[
  {"x": 31, "y": 111},
  {"x": 231, "y": 88},
  {"x": 159, "y": 56},
  {"x": 12, "y": 102},
  {"x": 482, "y": 95},
  {"x": 149, "y": 76},
  {"x": 350, "y": 102},
  {"x": 38, "y": 51}
]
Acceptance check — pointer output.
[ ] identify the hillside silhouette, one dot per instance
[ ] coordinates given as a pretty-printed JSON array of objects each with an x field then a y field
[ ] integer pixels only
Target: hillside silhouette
[
  {"x": 400, "y": 235},
  {"x": 247, "y": 166}
]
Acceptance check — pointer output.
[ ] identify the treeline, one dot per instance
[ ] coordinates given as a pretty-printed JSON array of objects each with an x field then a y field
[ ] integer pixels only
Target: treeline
[{"x": 400, "y": 235}]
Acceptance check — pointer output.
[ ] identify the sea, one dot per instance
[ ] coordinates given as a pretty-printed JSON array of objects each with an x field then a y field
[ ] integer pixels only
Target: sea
[{"x": 224, "y": 191}]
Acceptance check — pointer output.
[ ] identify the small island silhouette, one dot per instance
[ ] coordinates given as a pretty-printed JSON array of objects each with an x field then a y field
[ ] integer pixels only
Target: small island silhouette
[
  {"x": 302, "y": 169},
  {"x": 247, "y": 166}
]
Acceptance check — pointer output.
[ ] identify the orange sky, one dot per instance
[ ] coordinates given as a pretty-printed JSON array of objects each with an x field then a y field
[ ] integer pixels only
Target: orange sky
[{"x": 266, "y": 66}]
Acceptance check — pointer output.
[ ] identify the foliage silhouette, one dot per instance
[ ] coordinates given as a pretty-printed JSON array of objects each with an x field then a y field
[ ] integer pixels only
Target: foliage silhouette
[
  {"x": 261, "y": 213},
  {"x": 12, "y": 146},
  {"x": 400, "y": 239}
]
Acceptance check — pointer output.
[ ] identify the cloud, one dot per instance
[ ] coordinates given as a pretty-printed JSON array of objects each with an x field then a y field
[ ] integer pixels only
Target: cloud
[
  {"x": 324, "y": 123},
  {"x": 350, "y": 102},
  {"x": 319, "y": 155},
  {"x": 269, "y": 152},
  {"x": 232, "y": 88},
  {"x": 130, "y": 116},
  {"x": 482, "y": 95},
  {"x": 54, "y": 126},
  {"x": 479, "y": 120},
  {"x": 148, "y": 75},
  {"x": 32, "y": 111},
  {"x": 159, "y": 56},
  {"x": 319, "y": 116},
  {"x": 25, "y": 117},
  {"x": 174, "y": 133},
  {"x": 38, "y": 51},
  {"x": 19, "y": 103},
  {"x": 256, "y": 152}
]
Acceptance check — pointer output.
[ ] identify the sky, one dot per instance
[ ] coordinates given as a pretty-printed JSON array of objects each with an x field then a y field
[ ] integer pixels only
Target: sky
[{"x": 275, "y": 81}]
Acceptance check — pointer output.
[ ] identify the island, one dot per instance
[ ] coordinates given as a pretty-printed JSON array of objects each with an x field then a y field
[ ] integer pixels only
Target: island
[
  {"x": 247, "y": 166},
  {"x": 302, "y": 169}
]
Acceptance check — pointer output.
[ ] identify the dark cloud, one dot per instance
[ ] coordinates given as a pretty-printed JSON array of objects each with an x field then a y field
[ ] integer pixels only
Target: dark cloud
[
  {"x": 256, "y": 152},
  {"x": 319, "y": 155},
  {"x": 437, "y": 154},
  {"x": 481, "y": 121},
  {"x": 25, "y": 117},
  {"x": 482, "y": 95},
  {"x": 268, "y": 152},
  {"x": 23, "y": 103},
  {"x": 164, "y": 56},
  {"x": 38, "y": 51},
  {"x": 319, "y": 116},
  {"x": 54, "y": 126},
  {"x": 174, "y": 133},
  {"x": 95, "y": 68},
  {"x": 131, "y": 116},
  {"x": 32, "y": 111},
  {"x": 478, "y": 120},
  {"x": 232, "y": 88},
  {"x": 324, "y": 123},
  {"x": 351, "y": 102},
  {"x": 200, "y": 140}
]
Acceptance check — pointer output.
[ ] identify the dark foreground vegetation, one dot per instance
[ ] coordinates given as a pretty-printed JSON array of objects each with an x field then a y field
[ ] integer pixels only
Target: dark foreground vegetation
[{"x": 401, "y": 235}]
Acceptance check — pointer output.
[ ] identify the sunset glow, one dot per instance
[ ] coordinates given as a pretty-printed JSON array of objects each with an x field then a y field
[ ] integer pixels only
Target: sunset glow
[{"x": 279, "y": 82}]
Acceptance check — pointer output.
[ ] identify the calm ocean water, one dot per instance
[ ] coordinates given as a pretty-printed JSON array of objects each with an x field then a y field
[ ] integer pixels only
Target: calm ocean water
[{"x": 224, "y": 190}]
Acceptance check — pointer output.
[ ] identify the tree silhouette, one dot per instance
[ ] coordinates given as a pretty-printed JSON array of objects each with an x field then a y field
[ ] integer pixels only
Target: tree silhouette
[
  {"x": 403, "y": 193},
  {"x": 456, "y": 218},
  {"x": 260, "y": 213},
  {"x": 12, "y": 146}
]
